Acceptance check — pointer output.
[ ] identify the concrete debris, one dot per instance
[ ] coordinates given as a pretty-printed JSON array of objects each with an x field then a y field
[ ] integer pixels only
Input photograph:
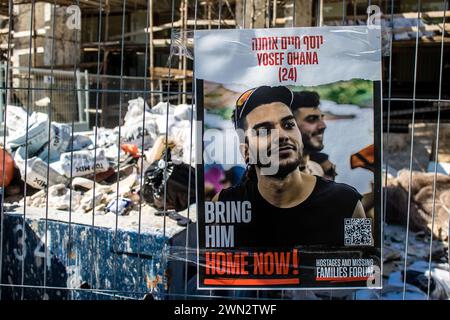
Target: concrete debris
[
  {"x": 89, "y": 184},
  {"x": 125, "y": 185},
  {"x": 100, "y": 208},
  {"x": 425, "y": 204},
  {"x": 84, "y": 183},
  {"x": 59, "y": 198},
  {"x": 89, "y": 172},
  {"x": 423, "y": 279},
  {"x": 90, "y": 200}
]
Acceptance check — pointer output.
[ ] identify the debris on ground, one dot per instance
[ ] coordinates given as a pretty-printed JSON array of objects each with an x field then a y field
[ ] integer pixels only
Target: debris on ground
[
  {"x": 74, "y": 176},
  {"x": 91, "y": 172},
  {"x": 424, "y": 203}
]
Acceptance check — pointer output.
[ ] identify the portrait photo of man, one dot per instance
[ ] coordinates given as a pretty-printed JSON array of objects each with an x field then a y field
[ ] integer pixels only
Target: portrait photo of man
[
  {"x": 311, "y": 122},
  {"x": 284, "y": 199},
  {"x": 289, "y": 207}
]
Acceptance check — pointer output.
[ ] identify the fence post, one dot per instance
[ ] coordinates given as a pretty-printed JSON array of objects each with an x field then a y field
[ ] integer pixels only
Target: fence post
[
  {"x": 319, "y": 13},
  {"x": 79, "y": 97},
  {"x": 2, "y": 91},
  {"x": 86, "y": 96},
  {"x": 161, "y": 95}
]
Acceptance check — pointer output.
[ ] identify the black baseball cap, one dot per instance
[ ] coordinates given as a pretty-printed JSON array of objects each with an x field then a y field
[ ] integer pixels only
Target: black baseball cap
[{"x": 255, "y": 97}]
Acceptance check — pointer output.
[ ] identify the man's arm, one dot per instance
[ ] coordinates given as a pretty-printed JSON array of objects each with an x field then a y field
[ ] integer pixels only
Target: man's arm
[{"x": 358, "y": 212}]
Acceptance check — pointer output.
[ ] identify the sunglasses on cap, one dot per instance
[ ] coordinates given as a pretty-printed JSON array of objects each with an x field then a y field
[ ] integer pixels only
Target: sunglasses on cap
[{"x": 241, "y": 103}]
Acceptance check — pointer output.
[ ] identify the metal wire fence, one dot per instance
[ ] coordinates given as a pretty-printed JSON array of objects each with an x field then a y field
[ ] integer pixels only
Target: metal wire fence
[
  {"x": 55, "y": 250},
  {"x": 61, "y": 84}
]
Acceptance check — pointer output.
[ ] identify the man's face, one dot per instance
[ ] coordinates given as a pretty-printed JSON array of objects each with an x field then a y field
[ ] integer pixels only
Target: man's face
[
  {"x": 272, "y": 131},
  {"x": 312, "y": 127}
]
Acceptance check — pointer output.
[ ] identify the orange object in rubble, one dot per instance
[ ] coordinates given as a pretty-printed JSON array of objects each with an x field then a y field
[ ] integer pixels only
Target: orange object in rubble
[
  {"x": 131, "y": 149},
  {"x": 8, "y": 170}
]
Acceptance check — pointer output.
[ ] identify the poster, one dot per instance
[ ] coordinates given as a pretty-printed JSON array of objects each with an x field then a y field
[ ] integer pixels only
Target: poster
[{"x": 288, "y": 158}]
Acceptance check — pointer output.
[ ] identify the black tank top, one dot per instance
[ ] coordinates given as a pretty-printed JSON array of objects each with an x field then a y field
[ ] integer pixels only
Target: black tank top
[{"x": 319, "y": 220}]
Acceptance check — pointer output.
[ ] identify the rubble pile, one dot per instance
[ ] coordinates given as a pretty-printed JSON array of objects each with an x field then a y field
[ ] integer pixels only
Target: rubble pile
[
  {"x": 423, "y": 256},
  {"x": 426, "y": 277},
  {"x": 99, "y": 172},
  {"x": 95, "y": 171},
  {"x": 419, "y": 270},
  {"x": 422, "y": 204}
]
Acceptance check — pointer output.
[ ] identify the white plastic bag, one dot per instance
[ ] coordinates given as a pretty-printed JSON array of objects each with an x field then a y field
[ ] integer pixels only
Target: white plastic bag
[
  {"x": 60, "y": 134},
  {"x": 105, "y": 137},
  {"x": 37, "y": 133},
  {"x": 161, "y": 108},
  {"x": 16, "y": 119},
  {"x": 183, "y": 112},
  {"x": 80, "y": 142},
  {"x": 185, "y": 144},
  {"x": 136, "y": 108},
  {"x": 37, "y": 171},
  {"x": 133, "y": 131},
  {"x": 83, "y": 162}
]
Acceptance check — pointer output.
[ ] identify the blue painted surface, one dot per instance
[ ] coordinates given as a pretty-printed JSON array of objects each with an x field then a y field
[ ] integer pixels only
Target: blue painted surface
[{"x": 80, "y": 256}]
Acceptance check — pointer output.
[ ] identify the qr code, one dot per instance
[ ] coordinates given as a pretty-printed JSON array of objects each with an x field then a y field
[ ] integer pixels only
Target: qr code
[{"x": 358, "y": 232}]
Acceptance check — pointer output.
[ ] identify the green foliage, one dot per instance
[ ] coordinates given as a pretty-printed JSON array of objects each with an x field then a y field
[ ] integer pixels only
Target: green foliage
[
  {"x": 224, "y": 112},
  {"x": 358, "y": 92}
]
